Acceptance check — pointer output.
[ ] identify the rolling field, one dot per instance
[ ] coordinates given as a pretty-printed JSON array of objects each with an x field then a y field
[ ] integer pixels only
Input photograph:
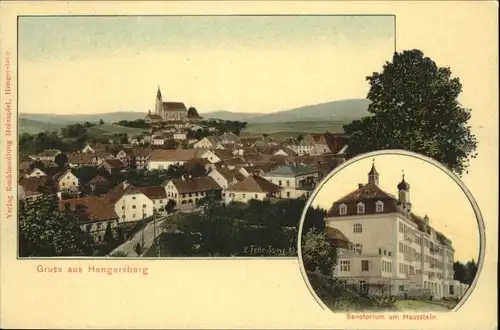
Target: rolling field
[
  {"x": 110, "y": 129},
  {"x": 293, "y": 128}
]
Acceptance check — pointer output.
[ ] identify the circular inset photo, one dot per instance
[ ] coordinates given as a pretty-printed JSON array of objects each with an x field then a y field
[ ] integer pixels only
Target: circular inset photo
[{"x": 391, "y": 230}]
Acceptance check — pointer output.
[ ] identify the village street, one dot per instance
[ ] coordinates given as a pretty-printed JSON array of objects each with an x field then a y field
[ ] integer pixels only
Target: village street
[{"x": 149, "y": 232}]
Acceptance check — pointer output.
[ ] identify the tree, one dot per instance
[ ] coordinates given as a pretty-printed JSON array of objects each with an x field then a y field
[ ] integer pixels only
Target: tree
[
  {"x": 414, "y": 106},
  {"x": 101, "y": 122},
  {"x": 61, "y": 160},
  {"x": 317, "y": 253},
  {"x": 471, "y": 267},
  {"x": 459, "y": 272},
  {"x": 170, "y": 206},
  {"x": 46, "y": 230},
  {"x": 108, "y": 235},
  {"x": 192, "y": 112}
]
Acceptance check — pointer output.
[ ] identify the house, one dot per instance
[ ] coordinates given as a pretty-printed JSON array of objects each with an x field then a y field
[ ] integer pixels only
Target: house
[
  {"x": 47, "y": 155},
  {"x": 264, "y": 141},
  {"x": 295, "y": 179},
  {"x": 157, "y": 194},
  {"x": 252, "y": 187},
  {"x": 113, "y": 166},
  {"x": 80, "y": 159},
  {"x": 100, "y": 157},
  {"x": 180, "y": 136},
  {"x": 30, "y": 188},
  {"x": 101, "y": 214},
  {"x": 329, "y": 143},
  {"x": 140, "y": 158},
  {"x": 191, "y": 164},
  {"x": 226, "y": 177},
  {"x": 152, "y": 118},
  {"x": 285, "y": 151},
  {"x": 97, "y": 147},
  {"x": 66, "y": 182},
  {"x": 188, "y": 191},
  {"x": 158, "y": 139},
  {"x": 24, "y": 165},
  {"x": 162, "y": 159},
  {"x": 36, "y": 173},
  {"x": 224, "y": 154},
  {"x": 392, "y": 249},
  {"x": 99, "y": 185},
  {"x": 208, "y": 142},
  {"x": 306, "y": 146},
  {"x": 229, "y": 138},
  {"x": 125, "y": 156},
  {"x": 129, "y": 202}
]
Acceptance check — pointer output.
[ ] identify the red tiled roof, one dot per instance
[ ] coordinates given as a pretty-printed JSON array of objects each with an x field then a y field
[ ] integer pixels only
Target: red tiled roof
[
  {"x": 231, "y": 175},
  {"x": 154, "y": 192},
  {"x": 223, "y": 154},
  {"x": 119, "y": 191},
  {"x": 204, "y": 183},
  {"x": 32, "y": 185},
  {"x": 254, "y": 183},
  {"x": 174, "y": 106},
  {"x": 98, "y": 209}
]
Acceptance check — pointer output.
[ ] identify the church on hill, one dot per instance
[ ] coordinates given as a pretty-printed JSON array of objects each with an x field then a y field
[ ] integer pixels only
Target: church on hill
[{"x": 167, "y": 111}]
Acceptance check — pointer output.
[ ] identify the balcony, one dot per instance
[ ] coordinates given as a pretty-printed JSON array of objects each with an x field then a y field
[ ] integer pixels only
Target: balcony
[{"x": 409, "y": 238}]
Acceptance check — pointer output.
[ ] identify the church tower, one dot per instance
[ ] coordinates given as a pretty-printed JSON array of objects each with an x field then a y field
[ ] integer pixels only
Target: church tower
[
  {"x": 159, "y": 103},
  {"x": 373, "y": 175},
  {"x": 404, "y": 194}
]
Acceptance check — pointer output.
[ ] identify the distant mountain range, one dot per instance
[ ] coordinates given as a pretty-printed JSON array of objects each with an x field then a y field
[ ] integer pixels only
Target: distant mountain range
[{"x": 343, "y": 110}]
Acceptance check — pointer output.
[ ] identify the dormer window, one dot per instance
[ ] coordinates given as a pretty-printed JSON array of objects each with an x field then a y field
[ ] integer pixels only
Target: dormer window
[
  {"x": 361, "y": 208},
  {"x": 379, "y": 206},
  {"x": 343, "y": 209}
]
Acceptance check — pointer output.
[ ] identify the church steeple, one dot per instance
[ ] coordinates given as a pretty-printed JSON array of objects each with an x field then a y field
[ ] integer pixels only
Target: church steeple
[
  {"x": 159, "y": 103},
  {"x": 158, "y": 94},
  {"x": 373, "y": 175}
]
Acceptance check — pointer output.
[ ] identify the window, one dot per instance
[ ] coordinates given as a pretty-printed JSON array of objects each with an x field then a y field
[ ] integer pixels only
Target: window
[
  {"x": 452, "y": 290},
  {"x": 363, "y": 286},
  {"x": 123, "y": 207},
  {"x": 380, "y": 252},
  {"x": 133, "y": 206},
  {"x": 385, "y": 252},
  {"x": 74, "y": 183},
  {"x": 358, "y": 228},
  {"x": 389, "y": 253},
  {"x": 361, "y": 208},
  {"x": 288, "y": 183},
  {"x": 379, "y": 206},
  {"x": 287, "y": 194},
  {"x": 401, "y": 288},
  {"x": 133, "y": 215},
  {"x": 357, "y": 249},
  {"x": 364, "y": 265},
  {"x": 279, "y": 182},
  {"x": 63, "y": 184},
  {"x": 400, "y": 227},
  {"x": 256, "y": 196},
  {"x": 154, "y": 202},
  {"x": 343, "y": 209},
  {"x": 161, "y": 201},
  {"x": 345, "y": 266},
  {"x": 243, "y": 195}
]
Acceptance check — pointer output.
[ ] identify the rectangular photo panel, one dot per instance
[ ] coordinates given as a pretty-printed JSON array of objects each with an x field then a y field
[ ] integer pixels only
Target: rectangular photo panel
[{"x": 184, "y": 136}]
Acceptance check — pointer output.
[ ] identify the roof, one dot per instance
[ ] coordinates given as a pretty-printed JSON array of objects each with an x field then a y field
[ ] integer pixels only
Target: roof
[
  {"x": 81, "y": 158},
  {"x": 174, "y": 106},
  {"x": 154, "y": 116},
  {"x": 254, "y": 183},
  {"x": 176, "y": 154},
  {"x": 204, "y": 183},
  {"x": 56, "y": 177},
  {"x": 49, "y": 153},
  {"x": 98, "y": 179},
  {"x": 154, "y": 192},
  {"x": 336, "y": 236},
  {"x": 223, "y": 154},
  {"x": 196, "y": 161},
  {"x": 98, "y": 209},
  {"x": 119, "y": 191},
  {"x": 229, "y": 136},
  {"x": 231, "y": 175},
  {"x": 24, "y": 165},
  {"x": 114, "y": 163},
  {"x": 141, "y": 152},
  {"x": 292, "y": 170},
  {"x": 32, "y": 185}
]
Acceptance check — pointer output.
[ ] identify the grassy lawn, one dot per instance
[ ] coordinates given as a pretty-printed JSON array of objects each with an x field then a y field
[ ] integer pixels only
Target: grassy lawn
[{"x": 293, "y": 128}]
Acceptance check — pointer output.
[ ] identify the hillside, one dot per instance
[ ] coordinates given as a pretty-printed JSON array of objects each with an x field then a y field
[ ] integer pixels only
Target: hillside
[
  {"x": 33, "y": 126},
  {"x": 109, "y": 117},
  {"x": 228, "y": 115}
]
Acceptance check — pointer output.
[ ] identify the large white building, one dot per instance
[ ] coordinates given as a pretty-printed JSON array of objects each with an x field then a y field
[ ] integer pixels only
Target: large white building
[
  {"x": 391, "y": 250},
  {"x": 295, "y": 179}
]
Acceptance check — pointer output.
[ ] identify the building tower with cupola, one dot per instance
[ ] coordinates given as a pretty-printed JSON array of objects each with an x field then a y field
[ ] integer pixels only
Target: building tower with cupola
[
  {"x": 373, "y": 175},
  {"x": 404, "y": 194}
]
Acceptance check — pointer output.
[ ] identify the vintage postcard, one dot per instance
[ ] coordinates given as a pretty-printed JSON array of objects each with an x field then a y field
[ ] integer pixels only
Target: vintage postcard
[{"x": 182, "y": 164}]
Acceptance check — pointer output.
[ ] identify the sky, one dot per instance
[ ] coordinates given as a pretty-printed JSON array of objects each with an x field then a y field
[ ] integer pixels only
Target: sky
[
  {"x": 262, "y": 64},
  {"x": 432, "y": 193}
]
